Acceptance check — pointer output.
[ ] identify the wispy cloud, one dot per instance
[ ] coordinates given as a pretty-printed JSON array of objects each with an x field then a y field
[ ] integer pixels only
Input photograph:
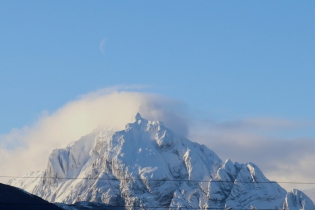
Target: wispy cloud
[
  {"x": 258, "y": 140},
  {"x": 263, "y": 141},
  {"x": 27, "y": 149}
]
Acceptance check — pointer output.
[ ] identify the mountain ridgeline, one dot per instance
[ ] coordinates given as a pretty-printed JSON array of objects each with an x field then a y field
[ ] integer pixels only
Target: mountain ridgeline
[
  {"x": 12, "y": 198},
  {"x": 147, "y": 166}
]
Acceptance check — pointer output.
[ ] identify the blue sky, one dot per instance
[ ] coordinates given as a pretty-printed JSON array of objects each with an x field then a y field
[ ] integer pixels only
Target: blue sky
[{"x": 230, "y": 59}]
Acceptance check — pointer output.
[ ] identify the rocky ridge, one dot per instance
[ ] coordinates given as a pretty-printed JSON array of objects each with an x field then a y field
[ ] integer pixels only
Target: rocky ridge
[{"x": 146, "y": 166}]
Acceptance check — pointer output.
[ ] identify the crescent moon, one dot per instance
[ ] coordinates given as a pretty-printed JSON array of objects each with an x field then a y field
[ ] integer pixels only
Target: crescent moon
[{"x": 102, "y": 46}]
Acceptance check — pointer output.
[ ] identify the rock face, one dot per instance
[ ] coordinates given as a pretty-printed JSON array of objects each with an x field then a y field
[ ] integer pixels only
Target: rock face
[
  {"x": 297, "y": 200},
  {"x": 148, "y": 166},
  {"x": 310, "y": 193}
]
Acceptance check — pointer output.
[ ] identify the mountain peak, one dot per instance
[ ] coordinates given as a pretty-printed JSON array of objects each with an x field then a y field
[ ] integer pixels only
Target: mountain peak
[
  {"x": 148, "y": 165},
  {"x": 138, "y": 116}
]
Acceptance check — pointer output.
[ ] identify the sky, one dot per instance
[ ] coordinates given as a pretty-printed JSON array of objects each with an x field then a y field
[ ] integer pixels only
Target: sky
[{"x": 242, "y": 73}]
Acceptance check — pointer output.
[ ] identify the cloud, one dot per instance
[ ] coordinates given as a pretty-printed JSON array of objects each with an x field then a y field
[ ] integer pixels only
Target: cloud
[
  {"x": 264, "y": 142},
  {"x": 277, "y": 146},
  {"x": 27, "y": 149}
]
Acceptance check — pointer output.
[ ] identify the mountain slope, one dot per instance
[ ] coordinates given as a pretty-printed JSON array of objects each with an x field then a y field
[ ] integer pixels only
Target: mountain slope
[
  {"x": 297, "y": 200},
  {"x": 12, "y": 198},
  {"x": 147, "y": 165},
  {"x": 310, "y": 193}
]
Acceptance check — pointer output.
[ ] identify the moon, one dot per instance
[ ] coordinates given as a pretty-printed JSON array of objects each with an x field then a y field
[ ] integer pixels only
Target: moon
[{"x": 102, "y": 46}]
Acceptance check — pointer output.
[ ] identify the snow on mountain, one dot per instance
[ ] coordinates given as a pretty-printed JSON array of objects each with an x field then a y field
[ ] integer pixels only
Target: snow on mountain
[
  {"x": 297, "y": 200},
  {"x": 88, "y": 206},
  {"x": 32, "y": 180},
  {"x": 147, "y": 165},
  {"x": 310, "y": 193}
]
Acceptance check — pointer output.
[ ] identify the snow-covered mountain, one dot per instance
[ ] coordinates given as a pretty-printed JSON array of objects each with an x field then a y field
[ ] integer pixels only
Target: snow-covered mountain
[
  {"x": 148, "y": 166},
  {"x": 310, "y": 193}
]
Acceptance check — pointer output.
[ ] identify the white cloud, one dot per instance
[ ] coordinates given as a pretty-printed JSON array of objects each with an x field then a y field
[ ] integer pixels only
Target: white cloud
[
  {"x": 27, "y": 149},
  {"x": 258, "y": 140}
]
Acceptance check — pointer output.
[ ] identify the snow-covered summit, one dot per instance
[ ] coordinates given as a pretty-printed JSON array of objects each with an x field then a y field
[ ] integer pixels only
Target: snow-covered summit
[{"x": 146, "y": 165}]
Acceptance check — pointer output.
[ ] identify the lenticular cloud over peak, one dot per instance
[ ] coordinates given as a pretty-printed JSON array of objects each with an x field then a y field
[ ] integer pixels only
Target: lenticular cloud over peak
[
  {"x": 28, "y": 148},
  {"x": 148, "y": 166}
]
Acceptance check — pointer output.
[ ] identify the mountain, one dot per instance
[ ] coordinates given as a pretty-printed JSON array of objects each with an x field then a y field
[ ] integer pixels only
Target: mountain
[
  {"x": 88, "y": 206},
  {"x": 147, "y": 165},
  {"x": 12, "y": 198},
  {"x": 310, "y": 193}
]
